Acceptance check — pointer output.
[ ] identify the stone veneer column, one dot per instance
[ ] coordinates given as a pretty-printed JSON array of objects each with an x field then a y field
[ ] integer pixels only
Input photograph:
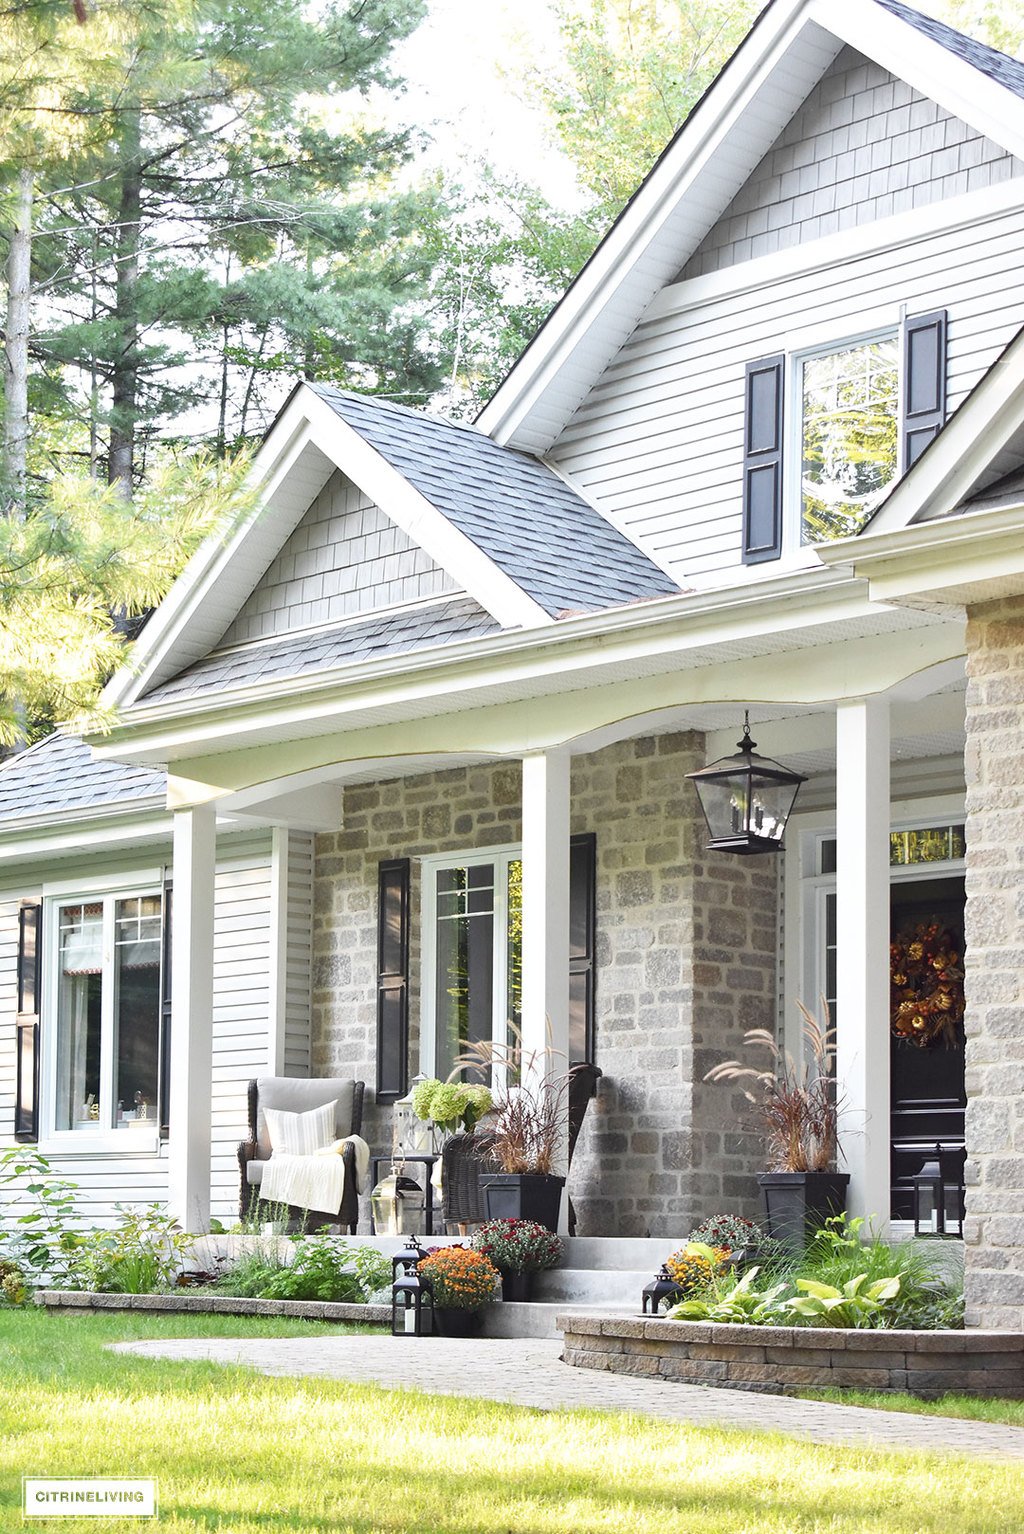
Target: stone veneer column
[{"x": 994, "y": 766}]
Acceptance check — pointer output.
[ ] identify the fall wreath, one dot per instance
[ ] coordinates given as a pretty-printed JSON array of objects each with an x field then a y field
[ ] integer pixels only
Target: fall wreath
[{"x": 926, "y": 986}]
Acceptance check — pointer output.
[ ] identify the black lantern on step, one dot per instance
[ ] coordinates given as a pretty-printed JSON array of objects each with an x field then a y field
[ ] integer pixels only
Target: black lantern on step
[
  {"x": 938, "y": 1204},
  {"x": 661, "y": 1287},
  {"x": 746, "y": 799},
  {"x": 412, "y": 1306},
  {"x": 407, "y": 1260}
]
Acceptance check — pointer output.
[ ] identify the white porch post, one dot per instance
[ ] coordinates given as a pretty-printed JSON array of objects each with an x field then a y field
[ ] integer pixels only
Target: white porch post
[
  {"x": 195, "y": 854},
  {"x": 545, "y": 999},
  {"x": 862, "y": 943}
]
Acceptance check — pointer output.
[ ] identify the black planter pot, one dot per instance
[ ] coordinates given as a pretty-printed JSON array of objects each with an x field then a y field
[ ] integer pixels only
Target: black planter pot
[
  {"x": 450, "y": 1321},
  {"x": 516, "y": 1286},
  {"x": 798, "y": 1203},
  {"x": 523, "y": 1196}
]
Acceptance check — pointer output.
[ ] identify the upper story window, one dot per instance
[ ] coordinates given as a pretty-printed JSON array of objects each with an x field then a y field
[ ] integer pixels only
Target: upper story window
[
  {"x": 828, "y": 431},
  {"x": 849, "y": 435}
]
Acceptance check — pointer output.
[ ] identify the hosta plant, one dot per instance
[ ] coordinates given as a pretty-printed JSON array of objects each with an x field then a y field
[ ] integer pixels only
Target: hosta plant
[
  {"x": 739, "y": 1303},
  {"x": 851, "y": 1306}
]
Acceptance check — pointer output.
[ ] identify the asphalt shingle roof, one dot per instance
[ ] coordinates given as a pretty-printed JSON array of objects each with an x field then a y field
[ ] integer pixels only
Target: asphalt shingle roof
[
  {"x": 60, "y": 774},
  {"x": 997, "y": 66},
  {"x": 534, "y": 526},
  {"x": 296, "y": 655}
]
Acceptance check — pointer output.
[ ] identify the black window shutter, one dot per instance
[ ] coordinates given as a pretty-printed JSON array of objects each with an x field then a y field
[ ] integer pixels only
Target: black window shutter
[
  {"x": 582, "y": 944},
  {"x": 924, "y": 383},
  {"x": 762, "y": 460},
  {"x": 164, "y": 1055},
  {"x": 392, "y": 979},
  {"x": 26, "y": 1091}
]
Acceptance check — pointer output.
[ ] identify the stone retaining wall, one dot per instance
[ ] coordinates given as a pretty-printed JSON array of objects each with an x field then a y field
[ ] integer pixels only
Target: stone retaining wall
[
  {"x": 212, "y": 1304},
  {"x": 781, "y": 1360}
]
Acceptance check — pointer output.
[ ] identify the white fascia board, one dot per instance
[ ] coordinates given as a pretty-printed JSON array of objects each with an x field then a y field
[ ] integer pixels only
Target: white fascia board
[
  {"x": 612, "y": 265},
  {"x": 68, "y": 833},
  {"x": 947, "y": 472},
  {"x": 207, "y": 578},
  {"x": 388, "y": 488},
  {"x": 668, "y": 626},
  {"x": 946, "y": 555}
]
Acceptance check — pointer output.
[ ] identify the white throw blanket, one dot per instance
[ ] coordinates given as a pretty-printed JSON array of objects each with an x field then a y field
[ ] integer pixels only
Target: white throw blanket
[{"x": 314, "y": 1182}]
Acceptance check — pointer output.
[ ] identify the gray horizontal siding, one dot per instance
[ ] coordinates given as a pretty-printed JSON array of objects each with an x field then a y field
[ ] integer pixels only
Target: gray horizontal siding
[
  {"x": 344, "y": 557},
  {"x": 658, "y": 442},
  {"x": 241, "y": 1013},
  {"x": 863, "y": 146}
]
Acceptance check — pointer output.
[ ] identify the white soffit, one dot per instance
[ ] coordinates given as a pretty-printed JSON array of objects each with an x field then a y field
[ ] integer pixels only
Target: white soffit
[{"x": 788, "y": 49}]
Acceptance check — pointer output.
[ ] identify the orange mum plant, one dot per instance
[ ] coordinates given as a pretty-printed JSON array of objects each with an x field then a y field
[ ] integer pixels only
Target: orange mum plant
[{"x": 462, "y": 1279}]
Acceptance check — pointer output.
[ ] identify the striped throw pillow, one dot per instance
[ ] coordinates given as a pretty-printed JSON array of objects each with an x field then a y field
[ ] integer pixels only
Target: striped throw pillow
[{"x": 301, "y": 1134}]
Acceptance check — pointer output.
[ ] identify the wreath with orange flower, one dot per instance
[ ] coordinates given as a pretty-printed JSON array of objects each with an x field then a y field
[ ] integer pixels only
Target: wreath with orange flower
[{"x": 926, "y": 990}]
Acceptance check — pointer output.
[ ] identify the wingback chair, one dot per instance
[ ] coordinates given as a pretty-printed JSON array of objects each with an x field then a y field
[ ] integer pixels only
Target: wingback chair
[
  {"x": 298, "y": 1095},
  {"x": 463, "y": 1160}
]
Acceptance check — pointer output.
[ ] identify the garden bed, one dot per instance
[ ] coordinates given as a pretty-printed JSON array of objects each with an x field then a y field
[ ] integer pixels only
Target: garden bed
[
  {"x": 782, "y": 1360},
  {"x": 216, "y": 1304}
]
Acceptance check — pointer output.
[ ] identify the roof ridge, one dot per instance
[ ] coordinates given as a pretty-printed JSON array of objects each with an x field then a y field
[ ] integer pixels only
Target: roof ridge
[
  {"x": 948, "y": 36},
  {"x": 377, "y": 401}
]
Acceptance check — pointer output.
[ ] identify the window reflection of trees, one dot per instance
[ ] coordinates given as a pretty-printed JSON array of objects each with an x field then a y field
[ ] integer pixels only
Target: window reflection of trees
[{"x": 849, "y": 436}]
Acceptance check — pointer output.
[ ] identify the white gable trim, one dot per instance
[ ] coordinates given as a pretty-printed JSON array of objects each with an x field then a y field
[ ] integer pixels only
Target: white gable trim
[
  {"x": 947, "y": 473},
  {"x": 304, "y": 447},
  {"x": 788, "y": 50}
]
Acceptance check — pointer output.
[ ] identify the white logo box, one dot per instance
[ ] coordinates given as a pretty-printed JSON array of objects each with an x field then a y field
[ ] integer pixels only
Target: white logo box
[{"x": 88, "y": 1497}]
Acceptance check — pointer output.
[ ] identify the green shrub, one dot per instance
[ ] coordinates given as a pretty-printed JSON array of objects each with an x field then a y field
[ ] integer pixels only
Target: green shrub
[
  {"x": 854, "y": 1305},
  {"x": 732, "y": 1231},
  {"x": 322, "y": 1268}
]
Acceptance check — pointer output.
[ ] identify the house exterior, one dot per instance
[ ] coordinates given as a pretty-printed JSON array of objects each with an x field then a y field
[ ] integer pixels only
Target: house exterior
[{"x": 408, "y": 749}]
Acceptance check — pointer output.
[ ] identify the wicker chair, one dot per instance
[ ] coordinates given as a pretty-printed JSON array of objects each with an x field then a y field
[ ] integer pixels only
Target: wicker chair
[
  {"x": 298, "y": 1095},
  {"x": 462, "y": 1159}
]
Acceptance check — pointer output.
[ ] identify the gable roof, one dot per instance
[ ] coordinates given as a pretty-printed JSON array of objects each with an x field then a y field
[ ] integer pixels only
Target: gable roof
[
  {"x": 514, "y": 535},
  {"x": 724, "y": 137},
  {"x": 305, "y": 653},
  {"x": 60, "y": 774},
  {"x": 526, "y": 518}
]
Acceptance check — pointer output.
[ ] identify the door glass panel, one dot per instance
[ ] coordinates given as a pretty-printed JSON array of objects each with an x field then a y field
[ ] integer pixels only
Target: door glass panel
[
  {"x": 831, "y": 985},
  {"x": 79, "y": 1015},
  {"x": 464, "y": 998},
  {"x": 137, "y": 1007}
]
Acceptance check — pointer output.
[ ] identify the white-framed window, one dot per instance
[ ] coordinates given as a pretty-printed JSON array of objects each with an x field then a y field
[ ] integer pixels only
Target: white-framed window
[
  {"x": 847, "y": 404},
  {"x": 101, "y": 1023},
  {"x": 471, "y": 953}
]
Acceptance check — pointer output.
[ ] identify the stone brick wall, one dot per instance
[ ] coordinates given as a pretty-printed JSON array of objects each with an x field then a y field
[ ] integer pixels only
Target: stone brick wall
[
  {"x": 685, "y": 962},
  {"x": 994, "y": 763},
  {"x": 783, "y": 1360}
]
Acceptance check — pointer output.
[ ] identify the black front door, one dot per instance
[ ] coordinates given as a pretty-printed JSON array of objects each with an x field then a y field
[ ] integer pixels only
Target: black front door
[{"x": 927, "y": 1084}]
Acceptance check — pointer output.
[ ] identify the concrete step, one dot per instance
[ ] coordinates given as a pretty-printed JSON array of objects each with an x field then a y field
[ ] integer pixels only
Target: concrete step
[
  {"x": 636, "y": 1254},
  {"x": 537, "y": 1319},
  {"x": 592, "y": 1286}
]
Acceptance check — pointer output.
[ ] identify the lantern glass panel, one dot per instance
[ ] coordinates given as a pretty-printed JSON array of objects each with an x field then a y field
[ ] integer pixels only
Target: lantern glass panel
[{"x": 929, "y": 1205}]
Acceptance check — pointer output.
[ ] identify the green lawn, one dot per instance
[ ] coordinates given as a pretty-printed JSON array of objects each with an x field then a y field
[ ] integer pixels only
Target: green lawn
[
  {"x": 972, "y": 1407},
  {"x": 244, "y": 1454}
]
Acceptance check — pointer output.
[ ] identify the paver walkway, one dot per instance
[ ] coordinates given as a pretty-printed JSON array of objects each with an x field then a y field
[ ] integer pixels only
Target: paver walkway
[{"x": 529, "y": 1372}]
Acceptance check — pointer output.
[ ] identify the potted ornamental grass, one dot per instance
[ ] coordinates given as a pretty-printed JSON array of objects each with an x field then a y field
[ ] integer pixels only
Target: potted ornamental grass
[
  {"x": 798, "y": 1109},
  {"x": 518, "y": 1249},
  {"x": 463, "y": 1282}
]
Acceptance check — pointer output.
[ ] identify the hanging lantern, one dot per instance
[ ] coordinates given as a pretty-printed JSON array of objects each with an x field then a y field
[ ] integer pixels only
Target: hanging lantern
[
  {"x": 661, "y": 1287},
  {"x": 746, "y": 799},
  {"x": 938, "y": 1205},
  {"x": 397, "y": 1205},
  {"x": 412, "y": 1306}
]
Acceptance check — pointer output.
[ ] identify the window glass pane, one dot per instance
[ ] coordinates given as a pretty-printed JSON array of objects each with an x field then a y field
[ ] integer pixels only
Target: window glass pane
[
  {"x": 831, "y": 935},
  {"x": 514, "y": 1000},
  {"x": 137, "y": 1007},
  {"x": 464, "y": 993},
  {"x": 932, "y": 844},
  {"x": 79, "y": 1005},
  {"x": 849, "y": 433}
]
